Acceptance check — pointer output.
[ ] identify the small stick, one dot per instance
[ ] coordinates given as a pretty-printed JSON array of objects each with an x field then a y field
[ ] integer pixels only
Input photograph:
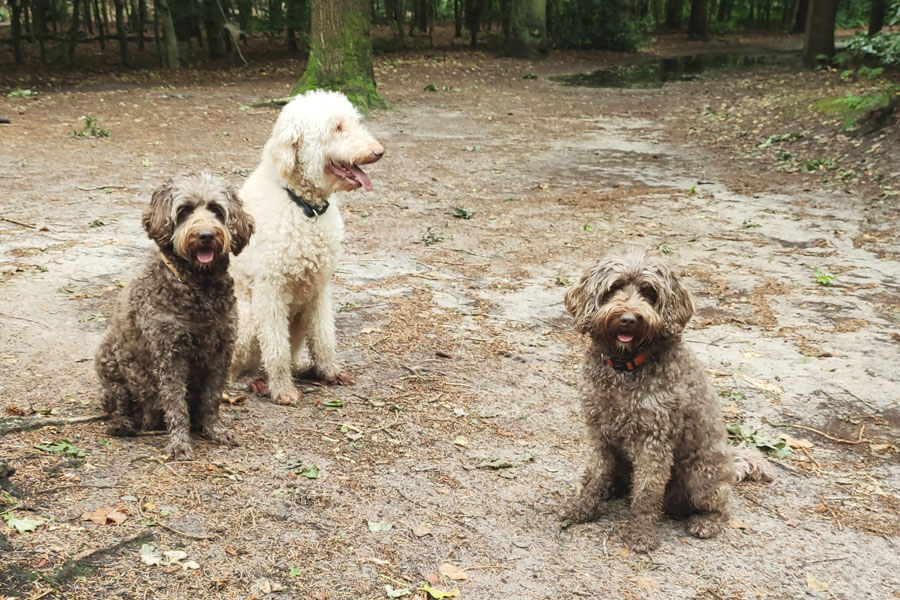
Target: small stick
[
  {"x": 835, "y": 517},
  {"x": 6, "y": 120},
  {"x": 16, "y": 425},
  {"x": 20, "y": 223},
  {"x": 809, "y": 456},
  {"x": 172, "y": 529},
  {"x": 97, "y": 187},
  {"x": 858, "y": 440}
]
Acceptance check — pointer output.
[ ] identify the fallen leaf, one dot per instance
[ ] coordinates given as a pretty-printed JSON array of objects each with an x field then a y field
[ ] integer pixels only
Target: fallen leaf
[
  {"x": 759, "y": 384},
  {"x": 796, "y": 442},
  {"x": 24, "y": 524},
  {"x": 149, "y": 555},
  {"x": 883, "y": 448},
  {"x": 104, "y": 515},
  {"x": 461, "y": 441},
  {"x": 395, "y": 592},
  {"x": 453, "y": 572},
  {"x": 735, "y": 524},
  {"x": 438, "y": 594},
  {"x": 816, "y": 585},
  {"x": 497, "y": 463},
  {"x": 422, "y": 530},
  {"x": 378, "y": 526}
]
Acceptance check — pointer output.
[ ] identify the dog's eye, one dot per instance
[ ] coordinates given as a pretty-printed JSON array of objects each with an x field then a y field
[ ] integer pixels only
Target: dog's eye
[
  {"x": 218, "y": 211},
  {"x": 650, "y": 294},
  {"x": 339, "y": 127},
  {"x": 182, "y": 212}
]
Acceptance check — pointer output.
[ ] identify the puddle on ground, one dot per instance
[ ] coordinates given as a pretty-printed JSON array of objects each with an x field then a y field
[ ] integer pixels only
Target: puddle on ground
[{"x": 655, "y": 74}]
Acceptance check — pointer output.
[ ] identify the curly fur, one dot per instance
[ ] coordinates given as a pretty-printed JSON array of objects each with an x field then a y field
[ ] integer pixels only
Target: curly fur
[
  {"x": 283, "y": 278},
  {"x": 164, "y": 360},
  {"x": 656, "y": 431}
]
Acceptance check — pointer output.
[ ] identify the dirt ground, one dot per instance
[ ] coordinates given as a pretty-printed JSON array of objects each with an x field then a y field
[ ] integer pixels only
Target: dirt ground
[{"x": 462, "y": 438}]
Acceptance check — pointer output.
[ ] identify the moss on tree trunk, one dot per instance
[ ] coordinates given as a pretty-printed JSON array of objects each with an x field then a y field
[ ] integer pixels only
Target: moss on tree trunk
[{"x": 340, "y": 55}]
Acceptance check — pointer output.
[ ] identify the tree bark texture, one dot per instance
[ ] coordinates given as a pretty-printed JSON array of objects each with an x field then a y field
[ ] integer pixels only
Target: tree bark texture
[
  {"x": 168, "y": 48},
  {"x": 340, "y": 55},
  {"x": 15, "y": 9},
  {"x": 800, "y": 13},
  {"x": 819, "y": 37},
  {"x": 527, "y": 30},
  {"x": 674, "y": 13},
  {"x": 73, "y": 32},
  {"x": 876, "y": 16},
  {"x": 698, "y": 26},
  {"x": 121, "y": 33}
]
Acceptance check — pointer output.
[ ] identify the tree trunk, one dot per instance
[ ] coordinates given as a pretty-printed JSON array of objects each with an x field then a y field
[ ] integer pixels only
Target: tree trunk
[
  {"x": 698, "y": 26},
  {"x": 340, "y": 55},
  {"x": 819, "y": 38},
  {"x": 674, "y": 13},
  {"x": 121, "y": 33},
  {"x": 73, "y": 32},
  {"x": 506, "y": 15},
  {"x": 214, "y": 23},
  {"x": 40, "y": 26},
  {"x": 101, "y": 25},
  {"x": 527, "y": 30},
  {"x": 458, "y": 18},
  {"x": 245, "y": 12},
  {"x": 800, "y": 13},
  {"x": 15, "y": 9},
  {"x": 724, "y": 12},
  {"x": 168, "y": 47},
  {"x": 395, "y": 14},
  {"x": 141, "y": 15},
  {"x": 876, "y": 16},
  {"x": 473, "y": 19}
]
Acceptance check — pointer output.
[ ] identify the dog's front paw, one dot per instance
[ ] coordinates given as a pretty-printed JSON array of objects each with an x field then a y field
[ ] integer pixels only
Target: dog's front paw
[
  {"x": 288, "y": 395},
  {"x": 341, "y": 378},
  {"x": 582, "y": 510},
  {"x": 120, "y": 426},
  {"x": 641, "y": 536},
  {"x": 705, "y": 525},
  {"x": 219, "y": 434},
  {"x": 180, "y": 449}
]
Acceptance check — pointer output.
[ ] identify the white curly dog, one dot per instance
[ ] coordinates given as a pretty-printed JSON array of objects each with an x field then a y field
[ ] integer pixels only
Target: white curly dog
[{"x": 283, "y": 277}]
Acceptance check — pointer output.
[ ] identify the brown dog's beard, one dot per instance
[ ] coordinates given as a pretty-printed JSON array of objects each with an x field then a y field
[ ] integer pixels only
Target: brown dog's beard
[
  {"x": 193, "y": 244},
  {"x": 623, "y": 339}
]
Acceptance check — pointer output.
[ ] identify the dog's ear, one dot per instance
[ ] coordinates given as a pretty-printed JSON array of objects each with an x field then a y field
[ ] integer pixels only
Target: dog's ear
[
  {"x": 157, "y": 217},
  {"x": 679, "y": 308},
  {"x": 240, "y": 223},
  {"x": 583, "y": 299},
  {"x": 283, "y": 146}
]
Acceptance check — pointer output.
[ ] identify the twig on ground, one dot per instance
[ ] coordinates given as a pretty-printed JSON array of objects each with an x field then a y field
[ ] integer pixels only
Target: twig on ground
[
  {"x": 75, "y": 486},
  {"x": 194, "y": 536},
  {"x": 91, "y": 188},
  {"x": 809, "y": 456},
  {"x": 834, "y": 516},
  {"x": 20, "y": 223},
  {"x": 26, "y": 424},
  {"x": 858, "y": 440}
]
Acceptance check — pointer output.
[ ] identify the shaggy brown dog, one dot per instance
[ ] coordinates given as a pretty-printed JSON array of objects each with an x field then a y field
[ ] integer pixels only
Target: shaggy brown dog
[
  {"x": 654, "y": 422},
  {"x": 165, "y": 358}
]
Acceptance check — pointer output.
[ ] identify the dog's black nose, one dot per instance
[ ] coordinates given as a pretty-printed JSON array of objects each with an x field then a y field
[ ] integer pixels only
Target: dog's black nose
[
  {"x": 628, "y": 321},
  {"x": 205, "y": 237}
]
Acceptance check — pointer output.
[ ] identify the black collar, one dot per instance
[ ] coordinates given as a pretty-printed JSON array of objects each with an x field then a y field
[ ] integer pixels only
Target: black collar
[
  {"x": 310, "y": 210},
  {"x": 625, "y": 365}
]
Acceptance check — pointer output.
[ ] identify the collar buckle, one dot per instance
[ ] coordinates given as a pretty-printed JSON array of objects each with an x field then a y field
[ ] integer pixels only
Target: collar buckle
[{"x": 310, "y": 210}]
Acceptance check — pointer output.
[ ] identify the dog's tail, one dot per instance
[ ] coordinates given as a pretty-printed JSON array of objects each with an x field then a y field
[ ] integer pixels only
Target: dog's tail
[{"x": 751, "y": 466}]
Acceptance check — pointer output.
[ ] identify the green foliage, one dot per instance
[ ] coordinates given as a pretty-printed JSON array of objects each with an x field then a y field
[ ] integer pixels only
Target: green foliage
[
  {"x": 62, "y": 447},
  {"x": 823, "y": 277},
  {"x": 738, "y": 435},
  {"x": 853, "y": 106},
  {"x": 21, "y": 93},
  {"x": 91, "y": 128},
  {"x": 882, "y": 47},
  {"x": 462, "y": 213},
  {"x": 593, "y": 24}
]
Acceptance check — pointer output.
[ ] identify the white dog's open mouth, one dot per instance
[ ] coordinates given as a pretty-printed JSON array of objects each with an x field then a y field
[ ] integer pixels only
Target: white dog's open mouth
[{"x": 350, "y": 173}]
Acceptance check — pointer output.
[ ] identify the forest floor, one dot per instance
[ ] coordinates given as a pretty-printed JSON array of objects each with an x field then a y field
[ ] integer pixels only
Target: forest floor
[{"x": 444, "y": 467}]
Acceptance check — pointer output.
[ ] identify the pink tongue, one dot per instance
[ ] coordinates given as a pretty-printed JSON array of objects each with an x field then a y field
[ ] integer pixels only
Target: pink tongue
[
  {"x": 205, "y": 256},
  {"x": 624, "y": 337},
  {"x": 361, "y": 177}
]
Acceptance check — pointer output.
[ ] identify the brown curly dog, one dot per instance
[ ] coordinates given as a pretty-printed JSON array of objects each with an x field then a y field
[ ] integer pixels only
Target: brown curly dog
[
  {"x": 165, "y": 357},
  {"x": 654, "y": 423}
]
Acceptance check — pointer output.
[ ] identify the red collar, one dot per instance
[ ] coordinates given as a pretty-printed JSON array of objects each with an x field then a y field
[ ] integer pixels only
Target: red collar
[{"x": 625, "y": 365}]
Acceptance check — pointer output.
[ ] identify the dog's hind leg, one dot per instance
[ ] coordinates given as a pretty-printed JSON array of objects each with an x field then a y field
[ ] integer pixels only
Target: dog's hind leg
[
  {"x": 115, "y": 398},
  {"x": 271, "y": 315},
  {"x": 209, "y": 398},
  {"x": 246, "y": 346}
]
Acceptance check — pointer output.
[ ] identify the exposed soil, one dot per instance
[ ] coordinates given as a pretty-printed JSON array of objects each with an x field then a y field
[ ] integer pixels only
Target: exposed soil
[{"x": 463, "y": 429}]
